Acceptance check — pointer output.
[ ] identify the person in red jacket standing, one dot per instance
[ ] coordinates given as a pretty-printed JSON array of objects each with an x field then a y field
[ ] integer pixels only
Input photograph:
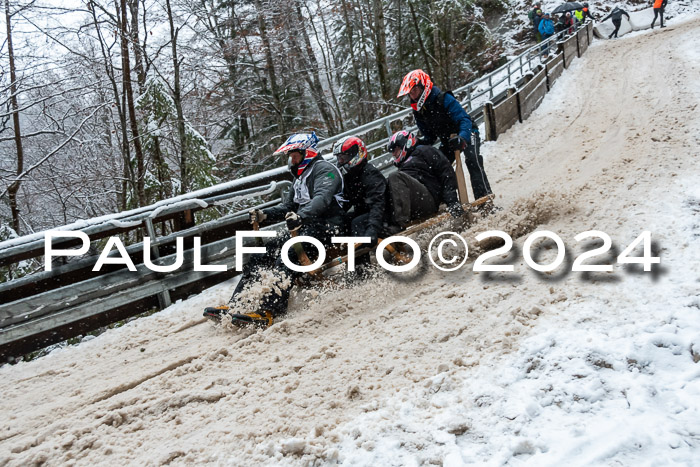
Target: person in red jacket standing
[{"x": 659, "y": 6}]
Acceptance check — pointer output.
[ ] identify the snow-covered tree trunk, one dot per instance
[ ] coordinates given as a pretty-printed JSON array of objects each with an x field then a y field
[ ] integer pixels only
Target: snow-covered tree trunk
[
  {"x": 380, "y": 48},
  {"x": 129, "y": 96},
  {"x": 14, "y": 186}
]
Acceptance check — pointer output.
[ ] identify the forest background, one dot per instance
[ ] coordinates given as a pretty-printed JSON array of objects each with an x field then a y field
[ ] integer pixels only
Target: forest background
[{"x": 111, "y": 105}]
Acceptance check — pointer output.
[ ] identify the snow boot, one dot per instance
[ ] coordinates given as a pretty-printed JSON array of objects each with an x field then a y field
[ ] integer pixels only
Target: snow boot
[
  {"x": 259, "y": 319},
  {"x": 487, "y": 208}
]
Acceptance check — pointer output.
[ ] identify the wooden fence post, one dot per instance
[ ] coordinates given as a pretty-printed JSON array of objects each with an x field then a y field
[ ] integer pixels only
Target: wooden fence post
[
  {"x": 490, "y": 122},
  {"x": 163, "y": 297}
]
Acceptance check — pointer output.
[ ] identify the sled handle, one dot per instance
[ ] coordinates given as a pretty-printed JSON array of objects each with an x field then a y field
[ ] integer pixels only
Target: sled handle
[{"x": 461, "y": 181}]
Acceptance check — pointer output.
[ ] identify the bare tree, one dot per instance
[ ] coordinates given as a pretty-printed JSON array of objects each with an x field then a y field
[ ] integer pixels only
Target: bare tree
[{"x": 15, "y": 184}]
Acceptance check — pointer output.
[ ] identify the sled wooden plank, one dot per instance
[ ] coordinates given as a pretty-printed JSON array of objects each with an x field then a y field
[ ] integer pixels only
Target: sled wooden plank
[{"x": 461, "y": 181}]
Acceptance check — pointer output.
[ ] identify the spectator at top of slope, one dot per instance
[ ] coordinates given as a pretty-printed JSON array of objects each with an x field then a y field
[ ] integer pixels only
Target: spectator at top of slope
[
  {"x": 565, "y": 22},
  {"x": 659, "y": 7},
  {"x": 587, "y": 13},
  {"x": 532, "y": 13},
  {"x": 546, "y": 27},
  {"x": 536, "y": 25},
  {"x": 439, "y": 116},
  {"x": 616, "y": 16},
  {"x": 547, "y": 31}
]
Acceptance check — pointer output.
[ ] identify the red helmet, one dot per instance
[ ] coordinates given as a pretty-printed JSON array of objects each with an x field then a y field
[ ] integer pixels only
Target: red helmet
[
  {"x": 416, "y": 77},
  {"x": 401, "y": 139},
  {"x": 350, "y": 153}
]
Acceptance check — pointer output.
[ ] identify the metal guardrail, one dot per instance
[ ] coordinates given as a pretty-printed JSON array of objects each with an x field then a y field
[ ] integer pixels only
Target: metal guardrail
[{"x": 28, "y": 313}]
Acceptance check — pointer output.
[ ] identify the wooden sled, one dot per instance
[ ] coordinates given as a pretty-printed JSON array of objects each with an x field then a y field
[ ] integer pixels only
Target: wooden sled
[{"x": 398, "y": 255}]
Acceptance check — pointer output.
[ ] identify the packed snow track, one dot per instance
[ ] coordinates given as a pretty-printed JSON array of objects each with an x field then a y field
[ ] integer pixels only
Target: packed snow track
[{"x": 452, "y": 368}]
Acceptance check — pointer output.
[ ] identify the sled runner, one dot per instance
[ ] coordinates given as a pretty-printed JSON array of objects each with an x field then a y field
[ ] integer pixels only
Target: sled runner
[{"x": 398, "y": 255}]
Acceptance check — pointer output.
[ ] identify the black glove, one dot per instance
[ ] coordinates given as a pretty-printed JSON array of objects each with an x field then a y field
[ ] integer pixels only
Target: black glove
[
  {"x": 256, "y": 215},
  {"x": 293, "y": 221},
  {"x": 457, "y": 143},
  {"x": 455, "y": 210}
]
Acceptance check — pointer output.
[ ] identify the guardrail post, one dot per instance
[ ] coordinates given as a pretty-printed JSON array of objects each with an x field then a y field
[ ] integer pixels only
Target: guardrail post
[
  {"x": 521, "y": 65},
  {"x": 490, "y": 87},
  {"x": 387, "y": 125},
  {"x": 578, "y": 43},
  {"x": 508, "y": 73},
  {"x": 163, "y": 297},
  {"x": 560, "y": 49},
  {"x": 529, "y": 61}
]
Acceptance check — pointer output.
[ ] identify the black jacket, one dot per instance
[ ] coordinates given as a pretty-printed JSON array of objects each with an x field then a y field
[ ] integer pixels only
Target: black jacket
[
  {"x": 431, "y": 168},
  {"x": 365, "y": 190},
  {"x": 441, "y": 116},
  {"x": 616, "y": 15}
]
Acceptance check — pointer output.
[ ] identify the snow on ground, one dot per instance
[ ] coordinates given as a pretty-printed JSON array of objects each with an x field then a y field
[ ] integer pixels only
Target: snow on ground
[{"x": 451, "y": 368}]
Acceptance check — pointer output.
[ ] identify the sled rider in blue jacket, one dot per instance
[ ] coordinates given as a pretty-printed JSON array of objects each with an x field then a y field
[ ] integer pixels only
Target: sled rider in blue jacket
[{"x": 439, "y": 115}]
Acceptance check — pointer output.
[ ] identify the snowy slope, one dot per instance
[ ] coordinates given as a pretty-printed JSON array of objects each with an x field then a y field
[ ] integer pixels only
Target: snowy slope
[{"x": 452, "y": 368}]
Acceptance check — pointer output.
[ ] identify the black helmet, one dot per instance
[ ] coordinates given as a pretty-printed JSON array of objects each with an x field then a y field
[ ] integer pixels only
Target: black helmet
[{"x": 402, "y": 139}]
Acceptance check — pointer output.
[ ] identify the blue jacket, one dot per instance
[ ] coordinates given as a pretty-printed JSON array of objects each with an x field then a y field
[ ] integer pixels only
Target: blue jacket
[
  {"x": 546, "y": 27},
  {"x": 428, "y": 121}
]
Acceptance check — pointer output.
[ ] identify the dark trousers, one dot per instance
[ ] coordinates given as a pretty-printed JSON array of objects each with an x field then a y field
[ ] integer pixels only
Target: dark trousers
[
  {"x": 545, "y": 47},
  {"x": 358, "y": 228},
  {"x": 477, "y": 174},
  {"x": 358, "y": 225},
  {"x": 409, "y": 199},
  {"x": 616, "y": 23},
  {"x": 475, "y": 166},
  {"x": 658, "y": 12},
  {"x": 276, "y": 300}
]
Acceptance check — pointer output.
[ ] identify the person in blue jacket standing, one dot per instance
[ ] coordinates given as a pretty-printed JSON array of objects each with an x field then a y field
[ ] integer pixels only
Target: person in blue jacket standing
[
  {"x": 439, "y": 115},
  {"x": 546, "y": 28}
]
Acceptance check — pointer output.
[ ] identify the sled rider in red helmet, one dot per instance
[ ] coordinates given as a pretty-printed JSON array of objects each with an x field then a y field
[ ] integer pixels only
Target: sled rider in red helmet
[{"x": 439, "y": 115}]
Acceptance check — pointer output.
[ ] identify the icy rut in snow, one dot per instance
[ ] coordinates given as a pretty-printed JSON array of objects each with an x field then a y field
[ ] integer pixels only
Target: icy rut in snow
[{"x": 450, "y": 368}]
